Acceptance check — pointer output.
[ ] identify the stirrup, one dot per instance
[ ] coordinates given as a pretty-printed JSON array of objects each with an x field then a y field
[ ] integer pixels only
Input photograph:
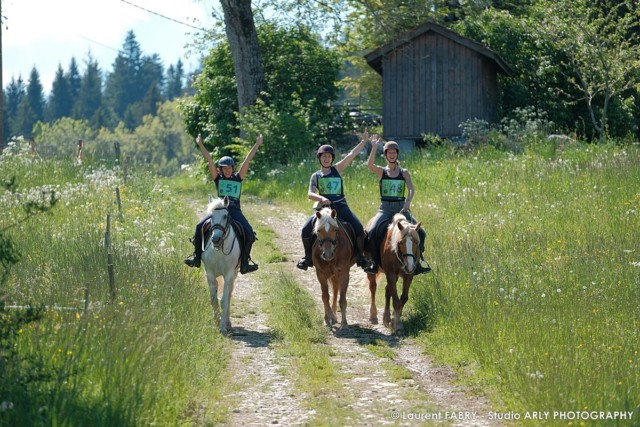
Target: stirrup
[
  {"x": 369, "y": 266},
  {"x": 248, "y": 268},
  {"x": 304, "y": 263},
  {"x": 420, "y": 269},
  {"x": 193, "y": 261}
]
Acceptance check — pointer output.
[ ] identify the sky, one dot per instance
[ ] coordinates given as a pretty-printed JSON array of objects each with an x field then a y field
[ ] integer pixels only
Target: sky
[{"x": 45, "y": 33}]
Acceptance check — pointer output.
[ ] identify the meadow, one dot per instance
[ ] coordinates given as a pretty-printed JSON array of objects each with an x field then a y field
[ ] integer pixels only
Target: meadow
[
  {"x": 535, "y": 291},
  {"x": 534, "y": 296}
]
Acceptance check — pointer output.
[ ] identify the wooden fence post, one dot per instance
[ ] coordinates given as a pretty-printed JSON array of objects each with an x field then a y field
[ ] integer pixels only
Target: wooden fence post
[
  {"x": 120, "y": 216},
  {"x": 107, "y": 233},
  {"x": 110, "y": 269},
  {"x": 86, "y": 300}
]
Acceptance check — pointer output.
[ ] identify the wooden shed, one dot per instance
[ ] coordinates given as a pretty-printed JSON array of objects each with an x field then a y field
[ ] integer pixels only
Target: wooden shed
[{"x": 433, "y": 79}]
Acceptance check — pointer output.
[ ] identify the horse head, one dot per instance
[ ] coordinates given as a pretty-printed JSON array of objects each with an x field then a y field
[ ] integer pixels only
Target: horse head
[
  {"x": 219, "y": 215},
  {"x": 405, "y": 242},
  {"x": 327, "y": 230}
]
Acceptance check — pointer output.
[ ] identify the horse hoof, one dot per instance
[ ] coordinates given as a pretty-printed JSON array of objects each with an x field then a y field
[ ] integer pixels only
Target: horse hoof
[{"x": 373, "y": 320}]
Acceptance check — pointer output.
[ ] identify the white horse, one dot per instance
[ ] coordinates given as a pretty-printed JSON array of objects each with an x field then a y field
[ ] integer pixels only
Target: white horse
[{"x": 221, "y": 258}]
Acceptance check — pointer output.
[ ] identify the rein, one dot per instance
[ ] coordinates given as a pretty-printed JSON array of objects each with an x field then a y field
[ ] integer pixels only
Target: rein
[
  {"x": 402, "y": 256},
  {"x": 225, "y": 233}
]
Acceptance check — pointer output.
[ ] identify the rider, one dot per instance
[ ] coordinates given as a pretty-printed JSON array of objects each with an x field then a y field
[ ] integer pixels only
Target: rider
[
  {"x": 392, "y": 182},
  {"x": 228, "y": 183},
  {"x": 326, "y": 188}
]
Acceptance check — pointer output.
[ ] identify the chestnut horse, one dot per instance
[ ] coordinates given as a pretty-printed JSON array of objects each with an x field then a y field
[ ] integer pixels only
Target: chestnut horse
[
  {"x": 333, "y": 256},
  {"x": 399, "y": 255}
]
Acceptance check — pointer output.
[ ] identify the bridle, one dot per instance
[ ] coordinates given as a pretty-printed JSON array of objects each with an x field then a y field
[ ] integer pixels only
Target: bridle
[
  {"x": 402, "y": 257},
  {"x": 219, "y": 245}
]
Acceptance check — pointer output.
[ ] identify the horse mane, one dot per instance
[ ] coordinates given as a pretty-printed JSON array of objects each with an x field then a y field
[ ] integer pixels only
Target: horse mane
[
  {"x": 396, "y": 233},
  {"x": 324, "y": 219},
  {"x": 215, "y": 203}
]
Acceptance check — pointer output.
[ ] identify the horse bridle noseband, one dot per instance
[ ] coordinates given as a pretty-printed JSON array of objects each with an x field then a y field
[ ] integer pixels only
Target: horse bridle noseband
[
  {"x": 401, "y": 257},
  {"x": 224, "y": 229}
]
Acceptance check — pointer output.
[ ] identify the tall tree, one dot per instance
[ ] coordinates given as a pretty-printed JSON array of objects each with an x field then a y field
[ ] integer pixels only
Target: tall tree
[
  {"x": 35, "y": 95},
  {"x": 89, "y": 104},
  {"x": 16, "y": 92},
  {"x": 602, "y": 50},
  {"x": 73, "y": 80},
  {"x": 124, "y": 86},
  {"x": 31, "y": 108},
  {"x": 60, "y": 102},
  {"x": 175, "y": 78},
  {"x": 243, "y": 41}
]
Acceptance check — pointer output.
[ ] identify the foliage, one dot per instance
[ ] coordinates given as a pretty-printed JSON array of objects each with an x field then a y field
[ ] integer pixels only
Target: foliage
[
  {"x": 299, "y": 75},
  {"x": 133, "y": 89},
  {"x": 160, "y": 142},
  {"x": 601, "y": 50},
  {"x": 62, "y": 370}
]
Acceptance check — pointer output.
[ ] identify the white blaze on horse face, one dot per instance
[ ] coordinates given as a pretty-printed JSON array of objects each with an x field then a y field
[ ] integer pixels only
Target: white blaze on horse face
[{"x": 410, "y": 260}]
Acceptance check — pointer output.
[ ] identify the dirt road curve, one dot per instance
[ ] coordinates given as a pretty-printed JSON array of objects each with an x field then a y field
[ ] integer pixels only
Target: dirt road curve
[{"x": 264, "y": 396}]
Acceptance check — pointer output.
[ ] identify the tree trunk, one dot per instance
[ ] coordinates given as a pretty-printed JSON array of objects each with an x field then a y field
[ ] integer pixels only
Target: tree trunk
[{"x": 243, "y": 41}]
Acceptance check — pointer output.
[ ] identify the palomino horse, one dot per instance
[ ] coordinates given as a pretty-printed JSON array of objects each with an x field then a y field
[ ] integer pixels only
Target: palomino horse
[
  {"x": 221, "y": 258},
  {"x": 333, "y": 256},
  {"x": 399, "y": 255}
]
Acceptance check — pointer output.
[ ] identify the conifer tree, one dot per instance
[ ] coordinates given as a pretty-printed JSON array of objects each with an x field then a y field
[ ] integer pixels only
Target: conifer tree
[
  {"x": 16, "y": 92},
  {"x": 60, "y": 101}
]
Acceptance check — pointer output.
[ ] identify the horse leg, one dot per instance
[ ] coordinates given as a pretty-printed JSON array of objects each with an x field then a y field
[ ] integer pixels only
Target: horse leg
[
  {"x": 324, "y": 287},
  {"x": 390, "y": 293},
  {"x": 225, "y": 319},
  {"x": 334, "y": 300},
  {"x": 344, "y": 284},
  {"x": 406, "y": 283},
  {"x": 213, "y": 297},
  {"x": 373, "y": 310}
]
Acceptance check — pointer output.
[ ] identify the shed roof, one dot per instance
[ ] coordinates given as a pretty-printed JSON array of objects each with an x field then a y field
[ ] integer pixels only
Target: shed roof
[{"x": 374, "y": 58}]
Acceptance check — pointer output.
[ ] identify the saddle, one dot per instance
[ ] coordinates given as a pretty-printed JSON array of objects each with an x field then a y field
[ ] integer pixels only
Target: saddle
[{"x": 373, "y": 238}]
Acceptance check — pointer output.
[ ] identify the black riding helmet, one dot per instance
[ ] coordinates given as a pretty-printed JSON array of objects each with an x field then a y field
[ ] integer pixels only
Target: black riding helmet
[
  {"x": 226, "y": 161},
  {"x": 326, "y": 149}
]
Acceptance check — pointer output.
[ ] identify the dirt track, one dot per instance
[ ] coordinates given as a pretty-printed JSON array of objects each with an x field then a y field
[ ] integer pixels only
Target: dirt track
[{"x": 263, "y": 394}]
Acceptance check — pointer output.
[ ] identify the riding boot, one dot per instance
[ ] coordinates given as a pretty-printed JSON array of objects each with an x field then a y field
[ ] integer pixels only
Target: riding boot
[
  {"x": 362, "y": 261},
  {"x": 245, "y": 267},
  {"x": 371, "y": 246},
  {"x": 422, "y": 266},
  {"x": 195, "y": 259},
  {"x": 306, "y": 261}
]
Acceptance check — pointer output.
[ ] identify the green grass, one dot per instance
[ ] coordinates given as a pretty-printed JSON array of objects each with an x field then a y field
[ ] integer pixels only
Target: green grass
[
  {"x": 536, "y": 285},
  {"x": 300, "y": 335},
  {"x": 133, "y": 360},
  {"x": 534, "y": 297}
]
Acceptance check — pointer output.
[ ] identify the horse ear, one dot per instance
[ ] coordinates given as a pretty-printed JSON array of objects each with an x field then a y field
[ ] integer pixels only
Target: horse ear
[
  {"x": 400, "y": 226},
  {"x": 226, "y": 201},
  {"x": 418, "y": 225},
  {"x": 318, "y": 214},
  {"x": 333, "y": 213},
  {"x": 210, "y": 198}
]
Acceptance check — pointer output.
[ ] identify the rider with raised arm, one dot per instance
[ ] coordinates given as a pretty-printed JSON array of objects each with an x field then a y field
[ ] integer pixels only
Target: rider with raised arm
[
  {"x": 326, "y": 188},
  {"x": 229, "y": 184},
  {"x": 393, "y": 181}
]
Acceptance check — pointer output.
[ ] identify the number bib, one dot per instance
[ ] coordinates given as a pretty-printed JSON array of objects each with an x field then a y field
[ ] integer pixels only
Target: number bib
[
  {"x": 331, "y": 186},
  {"x": 229, "y": 188},
  {"x": 393, "y": 188}
]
